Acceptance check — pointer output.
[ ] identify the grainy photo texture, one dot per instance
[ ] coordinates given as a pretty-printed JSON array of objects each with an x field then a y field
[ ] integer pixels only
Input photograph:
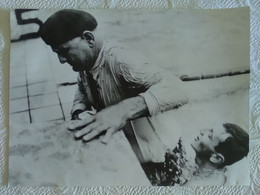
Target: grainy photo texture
[{"x": 135, "y": 98}]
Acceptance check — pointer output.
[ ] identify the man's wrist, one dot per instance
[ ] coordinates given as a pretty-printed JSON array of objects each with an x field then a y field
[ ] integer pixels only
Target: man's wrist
[
  {"x": 75, "y": 114},
  {"x": 134, "y": 107}
]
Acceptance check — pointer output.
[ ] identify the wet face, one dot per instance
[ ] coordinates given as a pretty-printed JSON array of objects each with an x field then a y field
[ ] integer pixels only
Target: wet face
[
  {"x": 207, "y": 140},
  {"x": 77, "y": 52}
]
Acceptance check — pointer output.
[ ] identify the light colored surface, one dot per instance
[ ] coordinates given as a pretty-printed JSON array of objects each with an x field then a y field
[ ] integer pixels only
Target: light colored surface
[
  {"x": 56, "y": 159},
  {"x": 254, "y": 96}
]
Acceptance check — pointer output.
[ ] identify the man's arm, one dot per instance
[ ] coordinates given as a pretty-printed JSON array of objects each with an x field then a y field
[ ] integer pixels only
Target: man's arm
[
  {"x": 156, "y": 91},
  {"x": 162, "y": 93},
  {"x": 110, "y": 119},
  {"x": 78, "y": 105},
  {"x": 161, "y": 90},
  {"x": 134, "y": 107},
  {"x": 80, "y": 102}
]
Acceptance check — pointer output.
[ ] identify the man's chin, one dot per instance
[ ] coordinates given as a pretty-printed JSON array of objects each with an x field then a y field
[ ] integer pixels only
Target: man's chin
[{"x": 76, "y": 69}]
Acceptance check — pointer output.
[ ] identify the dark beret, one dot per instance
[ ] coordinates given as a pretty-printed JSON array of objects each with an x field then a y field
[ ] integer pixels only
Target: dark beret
[{"x": 65, "y": 25}]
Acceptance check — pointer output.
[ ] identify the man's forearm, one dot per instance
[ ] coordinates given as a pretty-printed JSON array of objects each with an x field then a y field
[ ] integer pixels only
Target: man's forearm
[
  {"x": 134, "y": 107},
  {"x": 110, "y": 119}
]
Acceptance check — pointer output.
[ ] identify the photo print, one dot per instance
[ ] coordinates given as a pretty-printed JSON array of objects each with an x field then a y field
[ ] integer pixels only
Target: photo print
[{"x": 133, "y": 98}]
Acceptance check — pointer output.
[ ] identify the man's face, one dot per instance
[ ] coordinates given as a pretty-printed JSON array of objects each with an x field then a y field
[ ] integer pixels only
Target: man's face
[
  {"x": 77, "y": 52},
  {"x": 206, "y": 141}
]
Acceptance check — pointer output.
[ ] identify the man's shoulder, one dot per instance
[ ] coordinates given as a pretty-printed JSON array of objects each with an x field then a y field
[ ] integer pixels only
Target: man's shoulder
[{"x": 122, "y": 52}]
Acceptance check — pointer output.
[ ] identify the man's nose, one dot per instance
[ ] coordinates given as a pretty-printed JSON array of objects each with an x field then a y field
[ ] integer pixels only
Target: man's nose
[{"x": 62, "y": 59}]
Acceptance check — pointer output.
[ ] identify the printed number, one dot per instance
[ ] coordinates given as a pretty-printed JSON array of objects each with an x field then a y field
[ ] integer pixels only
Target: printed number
[{"x": 21, "y": 21}]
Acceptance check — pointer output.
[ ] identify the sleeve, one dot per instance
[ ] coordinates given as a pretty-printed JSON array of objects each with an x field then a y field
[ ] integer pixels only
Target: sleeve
[
  {"x": 162, "y": 90},
  {"x": 80, "y": 98},
  {"x": 168, "y": 93}
]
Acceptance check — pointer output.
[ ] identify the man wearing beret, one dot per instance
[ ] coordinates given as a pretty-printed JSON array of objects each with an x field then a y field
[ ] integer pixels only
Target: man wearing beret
[{"x": 119, "y": 84}]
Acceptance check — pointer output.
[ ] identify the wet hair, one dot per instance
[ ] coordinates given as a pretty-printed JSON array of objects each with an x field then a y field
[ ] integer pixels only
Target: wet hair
[
  {"x": 65, "y": 25},
  {"x": 234, "y": 148}
]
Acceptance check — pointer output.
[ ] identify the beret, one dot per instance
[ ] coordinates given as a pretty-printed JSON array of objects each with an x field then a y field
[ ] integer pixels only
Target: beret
[{"x": 65, "y": 25}]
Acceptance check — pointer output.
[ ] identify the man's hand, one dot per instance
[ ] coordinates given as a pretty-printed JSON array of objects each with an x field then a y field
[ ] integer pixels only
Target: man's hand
[
  {"x": 110, "y": 119},
  {"x": 75, "y": 114}
]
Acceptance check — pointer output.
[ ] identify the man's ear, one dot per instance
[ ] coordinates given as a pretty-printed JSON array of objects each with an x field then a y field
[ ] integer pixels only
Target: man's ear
[
  {"x": 89, "y": 37},
  {"x": 217, "y": 158}
]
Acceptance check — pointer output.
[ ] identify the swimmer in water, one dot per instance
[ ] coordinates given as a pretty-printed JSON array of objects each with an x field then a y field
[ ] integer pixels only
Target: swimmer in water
[{"x": 213, "y": 149}]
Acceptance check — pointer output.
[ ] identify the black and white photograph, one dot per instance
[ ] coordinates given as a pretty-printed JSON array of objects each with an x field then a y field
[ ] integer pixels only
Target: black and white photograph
[{"x": 129, "y": 97}]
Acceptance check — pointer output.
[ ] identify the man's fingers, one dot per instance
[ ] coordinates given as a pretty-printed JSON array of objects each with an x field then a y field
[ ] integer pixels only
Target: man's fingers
[
  {"x": 84, "y": 131},
  {"x": 107, "y": 136},
  {"x": 76, "y": 124},
  {"x": 73, "y": 125},
  {"x": 92, "y": 134}
]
